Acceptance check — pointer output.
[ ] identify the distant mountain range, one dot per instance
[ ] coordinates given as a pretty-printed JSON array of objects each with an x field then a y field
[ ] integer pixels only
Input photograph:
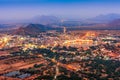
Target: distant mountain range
[
  {"x": 45, "y": 20},
  {"x": 115, "y": 24},
  {"x": 105, "y": 18},
  {"x": 112, "y": 25},
  {"x": 45, "y": 23}
]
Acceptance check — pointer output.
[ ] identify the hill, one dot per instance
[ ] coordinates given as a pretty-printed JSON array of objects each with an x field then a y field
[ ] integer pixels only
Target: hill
[{"x": 30, "y": 29}]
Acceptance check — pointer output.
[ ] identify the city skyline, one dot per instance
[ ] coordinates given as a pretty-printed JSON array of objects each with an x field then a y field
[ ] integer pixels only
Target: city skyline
[{"x": 59, "y": 40}]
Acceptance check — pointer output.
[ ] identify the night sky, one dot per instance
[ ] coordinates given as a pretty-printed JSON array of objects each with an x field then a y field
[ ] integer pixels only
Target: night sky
[{"x": 25, "y": 9}]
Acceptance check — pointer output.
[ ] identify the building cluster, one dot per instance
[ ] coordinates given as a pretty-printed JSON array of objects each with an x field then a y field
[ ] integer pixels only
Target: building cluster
[{"x": 87, "y": 55}]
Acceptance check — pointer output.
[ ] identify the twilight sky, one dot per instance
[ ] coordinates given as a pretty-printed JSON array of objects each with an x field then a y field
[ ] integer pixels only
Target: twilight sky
[{"x": 25, "y": 9}]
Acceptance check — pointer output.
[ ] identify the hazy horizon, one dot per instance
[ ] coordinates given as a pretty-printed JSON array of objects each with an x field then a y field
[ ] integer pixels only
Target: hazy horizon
[{"x": 25, "y": 9}]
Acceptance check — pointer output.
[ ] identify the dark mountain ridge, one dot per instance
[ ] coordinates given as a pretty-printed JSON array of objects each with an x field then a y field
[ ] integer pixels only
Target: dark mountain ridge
[
  {"x": 30, "y": 29},
  {"x": 33, "y": 29}
]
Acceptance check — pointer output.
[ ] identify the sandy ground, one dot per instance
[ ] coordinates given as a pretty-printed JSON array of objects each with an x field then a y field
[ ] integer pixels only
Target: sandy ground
[{"x": 18, "y": 64}]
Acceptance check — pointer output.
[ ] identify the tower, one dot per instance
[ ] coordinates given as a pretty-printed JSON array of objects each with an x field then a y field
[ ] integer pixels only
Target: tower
[{"x": 64, "y": 30}]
